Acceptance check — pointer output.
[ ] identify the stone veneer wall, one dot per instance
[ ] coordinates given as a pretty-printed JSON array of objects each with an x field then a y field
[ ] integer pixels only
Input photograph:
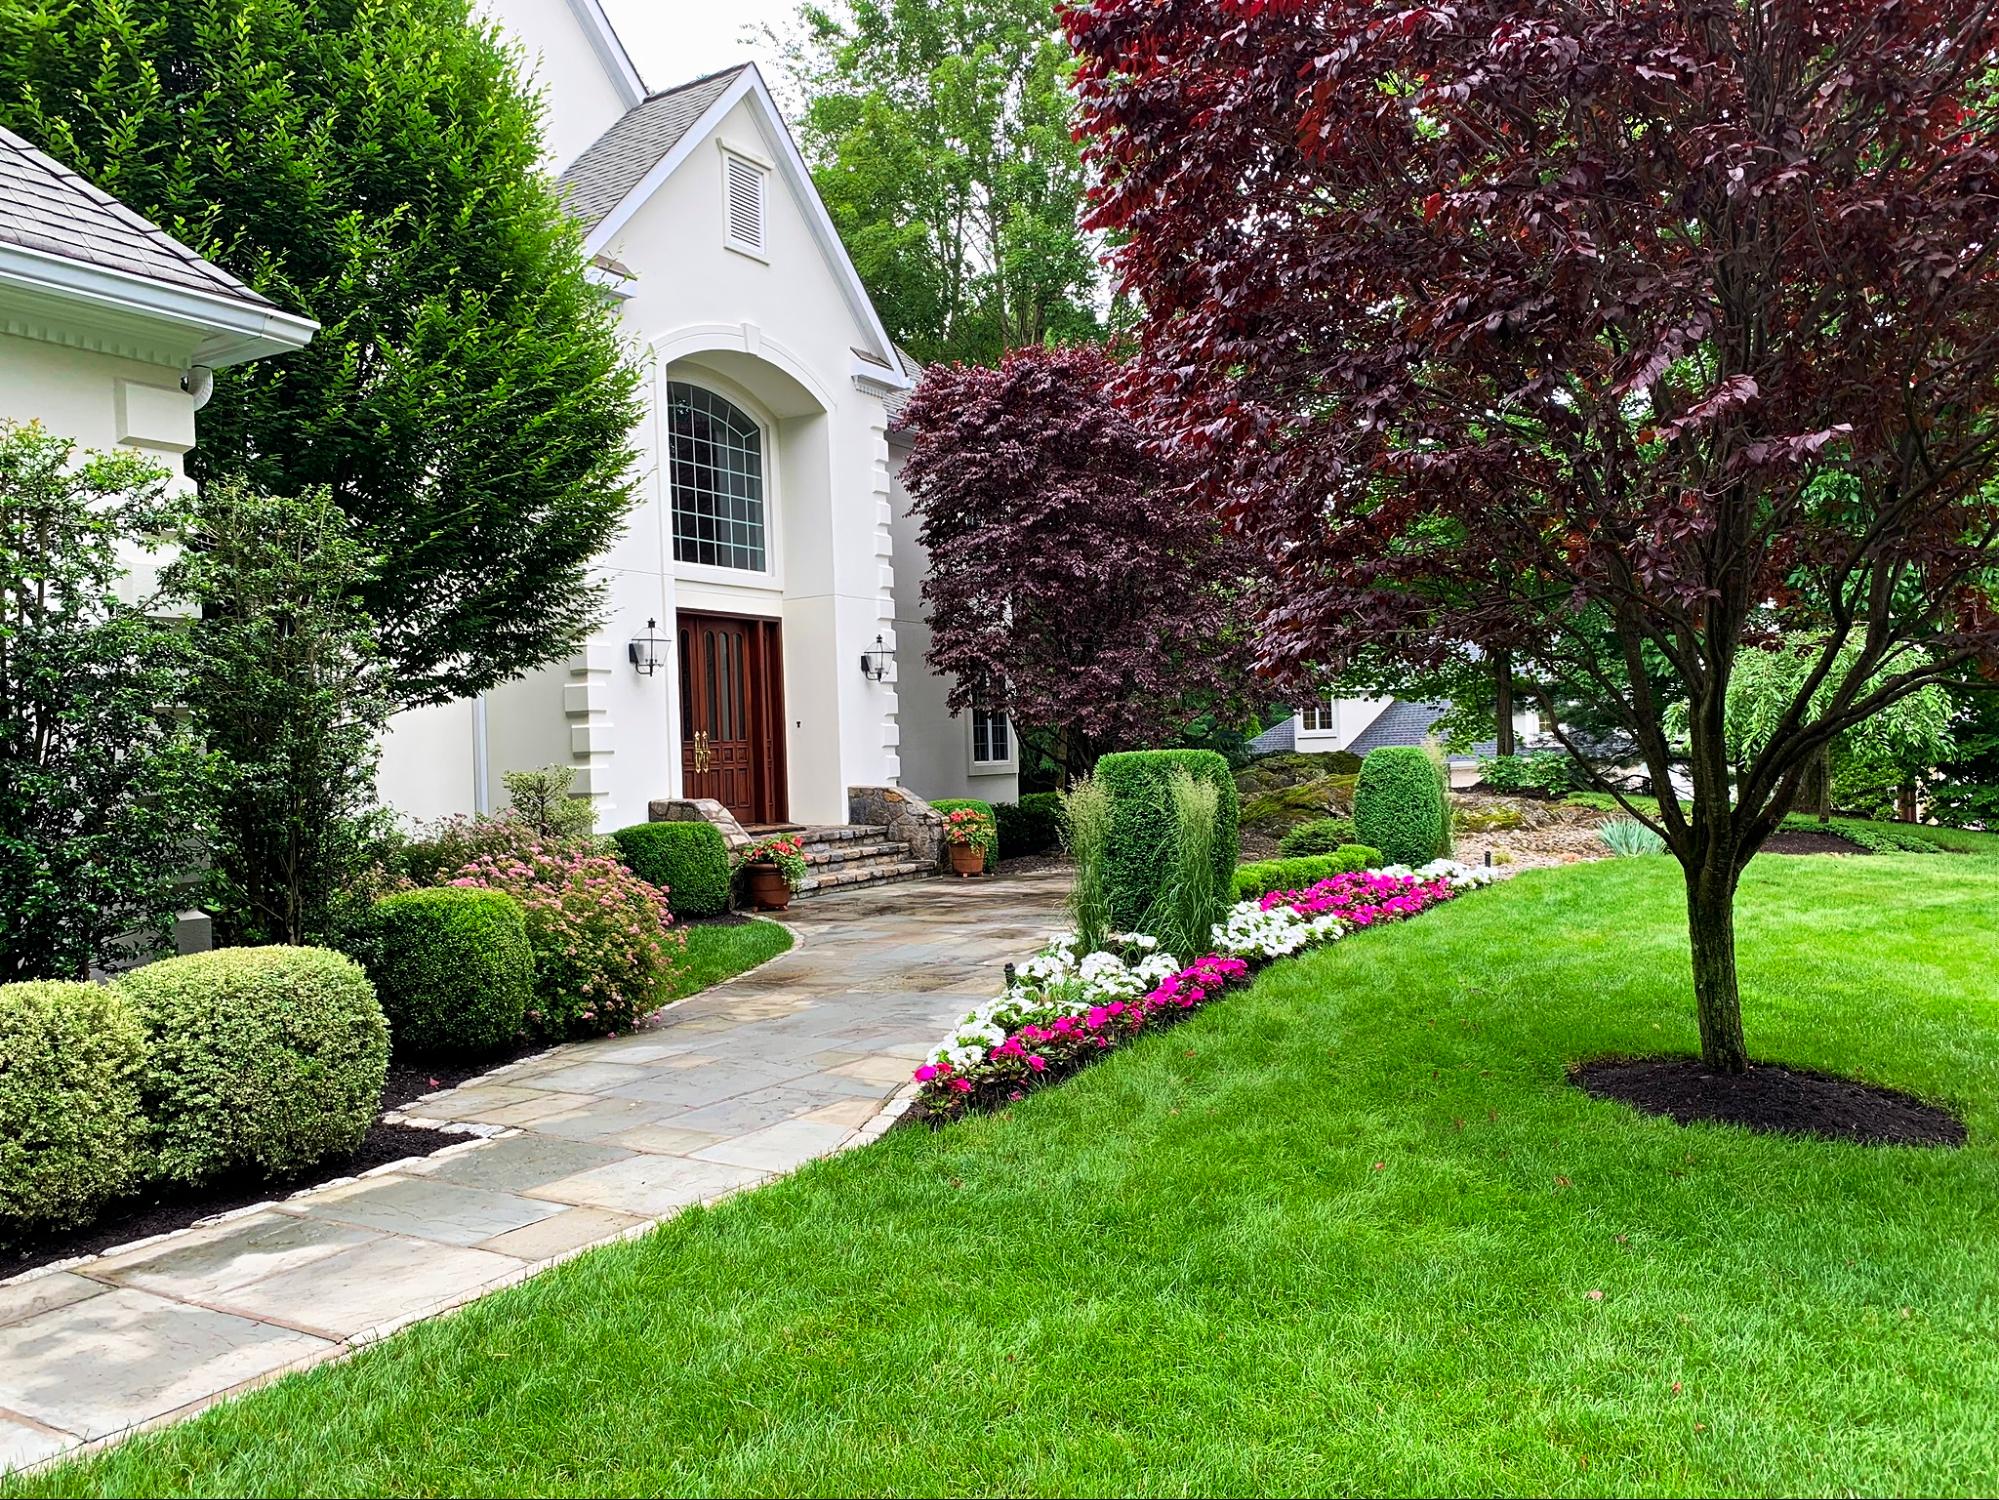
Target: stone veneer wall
[
  {"x": 700, "y": 810},
  {"x": 907, "y": 817}
]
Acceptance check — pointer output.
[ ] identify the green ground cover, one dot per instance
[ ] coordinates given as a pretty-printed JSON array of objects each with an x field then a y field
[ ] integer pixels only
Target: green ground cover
[{"x": 1349, "y": 1230}]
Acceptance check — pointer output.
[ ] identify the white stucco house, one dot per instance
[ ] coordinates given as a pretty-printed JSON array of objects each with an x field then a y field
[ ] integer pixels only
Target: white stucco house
[
  {"x": 1358, "y": 725},
  {"x": 111, "y": 329},
  {"x": 762, "y": 647}
]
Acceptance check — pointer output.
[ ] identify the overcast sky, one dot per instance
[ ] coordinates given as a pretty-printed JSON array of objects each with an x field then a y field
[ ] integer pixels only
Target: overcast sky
[{"x": 672, "y": 41}]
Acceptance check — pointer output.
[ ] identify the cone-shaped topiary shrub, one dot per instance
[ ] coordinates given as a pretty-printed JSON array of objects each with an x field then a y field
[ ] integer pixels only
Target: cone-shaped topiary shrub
[
  {"x": 257, "y": 1059},
  {"x": 452, "y": 968},
  {"x": 71, "y": 1135},
  {"x": 1399, "y": 807}
]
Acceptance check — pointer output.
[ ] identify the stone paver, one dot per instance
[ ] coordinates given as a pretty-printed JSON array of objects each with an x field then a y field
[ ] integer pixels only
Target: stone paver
[{"x": 742, "y": 1083}]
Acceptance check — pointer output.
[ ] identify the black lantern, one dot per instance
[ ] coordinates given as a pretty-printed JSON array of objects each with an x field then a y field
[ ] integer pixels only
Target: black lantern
[
  {"x": 876, "y": 661},
  {"x": 647, "y": 651}
]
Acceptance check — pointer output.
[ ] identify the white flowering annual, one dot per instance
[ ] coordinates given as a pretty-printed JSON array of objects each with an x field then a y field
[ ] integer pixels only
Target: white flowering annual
[
  {"x": 1053, "y": 984},
  {"x": 1462, "y": 877},
  {"x": 1251, "y": 932}
]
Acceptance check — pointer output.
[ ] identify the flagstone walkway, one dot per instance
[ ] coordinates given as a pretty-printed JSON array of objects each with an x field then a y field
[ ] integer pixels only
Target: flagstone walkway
[{"x": 592, "y": 1142}]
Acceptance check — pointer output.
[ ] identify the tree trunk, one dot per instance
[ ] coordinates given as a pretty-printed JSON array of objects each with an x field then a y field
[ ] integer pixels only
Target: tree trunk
[
  {"x": 1816, "y": 795},
  {"x": 1502, "y": 678},
  {"x": 1717, "y": 997}
]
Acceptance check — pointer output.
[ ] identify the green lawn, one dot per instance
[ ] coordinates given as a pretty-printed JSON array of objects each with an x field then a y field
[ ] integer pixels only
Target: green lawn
[
  {"x": 717, "y": 951},
  {"x": 1345, "y": 1231}
]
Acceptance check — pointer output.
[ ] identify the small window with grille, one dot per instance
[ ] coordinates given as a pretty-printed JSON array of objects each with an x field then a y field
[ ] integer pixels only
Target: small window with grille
[
  {"x": 1318, "y": 717},
  {"x": 992, "y": 737}
]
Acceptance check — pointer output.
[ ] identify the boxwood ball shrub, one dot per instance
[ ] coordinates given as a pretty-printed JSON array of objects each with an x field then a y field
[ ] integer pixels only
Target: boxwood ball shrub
[
  {"x": 1399, "y": 807},
  {"x": 452, "y": 969},
  {"x": 1033, "y": 825},
  {"x": 265, "y": 1060},
  {"x": 1320, "y": 836},
  {"x": 71, "y": 1135},
  {"x": 689, "y": 861},
  {"x": 1141, "y": 825},
  {"x": 952, "y": 804},
  {"x": 1263, "y": 876}
]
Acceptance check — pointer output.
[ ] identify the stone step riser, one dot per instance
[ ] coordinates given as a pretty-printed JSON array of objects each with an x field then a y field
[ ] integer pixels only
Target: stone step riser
[
  {"x": 855, "y": 853},
  {"x": 860, "y": 879}
]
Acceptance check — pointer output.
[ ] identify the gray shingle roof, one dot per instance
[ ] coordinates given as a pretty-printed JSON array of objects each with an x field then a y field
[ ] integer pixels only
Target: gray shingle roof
[
  {"x": 46, "y": 207},
  {"x": 895, "y": 401},
  {"x": 1279, "y": 738},
  {"x": 1405, "y": 723},
  {"x": 618, "y": 160}
]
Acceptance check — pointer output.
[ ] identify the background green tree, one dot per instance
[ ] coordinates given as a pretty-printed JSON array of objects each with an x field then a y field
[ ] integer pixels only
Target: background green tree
[
  {"x": 939, "y": 132},
  {"x": 102, "y": 789},
  {"x": 292, "y": 692},
  {"x": 377, "y": 167}
]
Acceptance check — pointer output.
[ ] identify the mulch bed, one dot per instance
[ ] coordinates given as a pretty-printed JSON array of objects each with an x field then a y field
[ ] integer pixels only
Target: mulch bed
[
  {"x": 170, "y": 1209},
  {"x": 1771, "y": 1099},
  {"x": 1032, "y": 864},
  {"x": 1798, "y": 841}
]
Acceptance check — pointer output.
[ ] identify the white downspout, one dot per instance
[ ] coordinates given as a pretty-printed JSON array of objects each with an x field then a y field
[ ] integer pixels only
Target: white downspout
[{"x": 482, "y": 785}]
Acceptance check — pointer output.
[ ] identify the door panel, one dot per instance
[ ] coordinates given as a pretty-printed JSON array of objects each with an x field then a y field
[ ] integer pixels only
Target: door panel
[{"x": 731, "y": 714}]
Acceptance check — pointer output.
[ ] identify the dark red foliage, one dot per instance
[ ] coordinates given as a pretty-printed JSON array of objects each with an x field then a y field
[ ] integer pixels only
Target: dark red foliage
[
  {"x": 1071, "y": 578},
  {"x": 1620, "y": 336}
]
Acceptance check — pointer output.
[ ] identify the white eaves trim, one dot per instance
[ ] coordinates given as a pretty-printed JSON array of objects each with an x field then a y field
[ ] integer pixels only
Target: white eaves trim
[
  {"x": 231, "y": 331},
  {"x": 617, "y": 63},
  {"x": 797, "y": 176}
]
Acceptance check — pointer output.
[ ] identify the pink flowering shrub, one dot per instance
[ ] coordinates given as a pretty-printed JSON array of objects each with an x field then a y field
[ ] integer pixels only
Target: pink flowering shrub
[{"x": 603, "y": 948}]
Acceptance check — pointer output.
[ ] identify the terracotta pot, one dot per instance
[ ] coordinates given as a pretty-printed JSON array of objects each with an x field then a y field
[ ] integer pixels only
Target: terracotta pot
[
  {"x": 965, "y": 860},
  {"x": 768, "y": 891}
]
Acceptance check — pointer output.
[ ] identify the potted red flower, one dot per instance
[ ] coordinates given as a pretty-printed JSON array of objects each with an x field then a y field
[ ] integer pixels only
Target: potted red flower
[
  {"x": 774, "y": 869},
  {"x": 969, "y": 833}
]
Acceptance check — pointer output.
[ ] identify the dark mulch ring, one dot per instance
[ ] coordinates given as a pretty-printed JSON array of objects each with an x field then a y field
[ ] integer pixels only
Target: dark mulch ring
[
  {"x": 413, "y": 1079},
  {"x": 1031, "y": 864},
  {"x": 720, "y": 919},
  {"x": 1799, "y": 841},
  {"x": 1772, "y": 1099},
  {"x": 171, "y": 1208}
]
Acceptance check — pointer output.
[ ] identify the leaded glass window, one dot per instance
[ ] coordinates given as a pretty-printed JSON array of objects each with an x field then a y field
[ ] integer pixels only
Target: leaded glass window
[{"x": 717, "y": 473}]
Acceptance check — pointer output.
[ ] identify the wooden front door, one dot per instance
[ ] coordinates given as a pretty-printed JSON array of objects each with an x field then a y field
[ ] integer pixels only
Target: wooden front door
[{"x": 732, "y": 714}]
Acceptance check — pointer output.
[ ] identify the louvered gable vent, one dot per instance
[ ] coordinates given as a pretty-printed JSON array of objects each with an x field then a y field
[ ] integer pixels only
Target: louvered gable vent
[{"x": 745, "y": 182}]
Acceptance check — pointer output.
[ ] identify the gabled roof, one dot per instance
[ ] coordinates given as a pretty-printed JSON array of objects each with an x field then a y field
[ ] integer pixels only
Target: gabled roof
[
  {"x": 626, "y": 165},
  {"x": 897, "y": 401},
  {"x": 607, "y": 171},
  {"x": 67, "y": 237},
  {"x": 1407, "y": 723},
  {"x": 44, "y": 206}
]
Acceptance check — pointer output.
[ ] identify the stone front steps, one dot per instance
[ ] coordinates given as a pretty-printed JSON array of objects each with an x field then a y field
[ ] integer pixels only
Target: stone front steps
[{"x": 848, "y": 856}]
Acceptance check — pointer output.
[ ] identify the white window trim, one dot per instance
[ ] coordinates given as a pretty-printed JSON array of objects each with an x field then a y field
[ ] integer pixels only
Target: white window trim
[
  {"x": 772, "y": 576},
  {"x": 976, "y": 767},
  {"x": 762, "y": 167}
]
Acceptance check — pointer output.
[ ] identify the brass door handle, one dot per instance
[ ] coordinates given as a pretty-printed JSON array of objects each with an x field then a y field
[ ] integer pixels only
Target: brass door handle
[{"x": 700, "y": 749}]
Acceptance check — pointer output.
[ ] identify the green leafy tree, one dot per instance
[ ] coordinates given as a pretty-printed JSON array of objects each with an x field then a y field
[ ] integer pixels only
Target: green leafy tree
[
  {"x": 292, "y": 691},
  {"x": 467, "y": 400},
  {"x": 102, "y": 789},
  {"x": 940, "y": 136}
]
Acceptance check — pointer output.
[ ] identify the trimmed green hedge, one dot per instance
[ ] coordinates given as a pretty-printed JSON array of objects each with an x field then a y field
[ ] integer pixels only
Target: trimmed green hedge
[
  {"x": 71, "y": 1134},
  {"x": 689, "y": 861},
  {"x": 1033, "y": 825},
  {"x": 1142, "y": 823},
  {"x": 1399, "y": 806},
  {"x": 452, "y": 968},
  {"x": 257, "y": 1059},
  {"x": 1266, "y": 875},
  {"x": 952, "y": 804},
  {"x": 1320, "y": 836}
]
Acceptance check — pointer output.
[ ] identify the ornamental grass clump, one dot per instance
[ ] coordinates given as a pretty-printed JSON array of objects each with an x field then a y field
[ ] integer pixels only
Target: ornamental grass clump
[
  {"x": 1086, "y": 831},
  {"x": 1627, "y": 837},
  {"x": 1193, "y": 896},
  {"x": 601, "y": 936}
]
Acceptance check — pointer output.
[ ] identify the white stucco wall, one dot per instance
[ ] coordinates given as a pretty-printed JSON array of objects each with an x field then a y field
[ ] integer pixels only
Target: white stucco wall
[
  {"x": 101, "y": 401},
  {"x": 936, "y": 744},
  {"x": 774, "y": 335},
  {"x": 579, "y": 96}
]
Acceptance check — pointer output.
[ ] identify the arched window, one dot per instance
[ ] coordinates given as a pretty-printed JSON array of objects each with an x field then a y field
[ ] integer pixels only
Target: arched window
[{"x": 716, "y": 468}]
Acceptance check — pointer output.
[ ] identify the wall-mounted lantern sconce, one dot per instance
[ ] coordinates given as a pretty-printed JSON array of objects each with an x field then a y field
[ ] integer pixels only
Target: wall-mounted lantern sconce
[
  {"x": 876, "y": 661},
  {"x": 648, "y": 651}
]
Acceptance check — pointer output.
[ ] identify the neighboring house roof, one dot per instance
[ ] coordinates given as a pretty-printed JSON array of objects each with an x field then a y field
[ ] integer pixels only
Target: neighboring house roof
[
  {"x": 607, "y": 171},
  {"x": 69, "y": 238},
  {"x": 1279, "y": 739},
  {"x": 1406, "y": 723}
]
